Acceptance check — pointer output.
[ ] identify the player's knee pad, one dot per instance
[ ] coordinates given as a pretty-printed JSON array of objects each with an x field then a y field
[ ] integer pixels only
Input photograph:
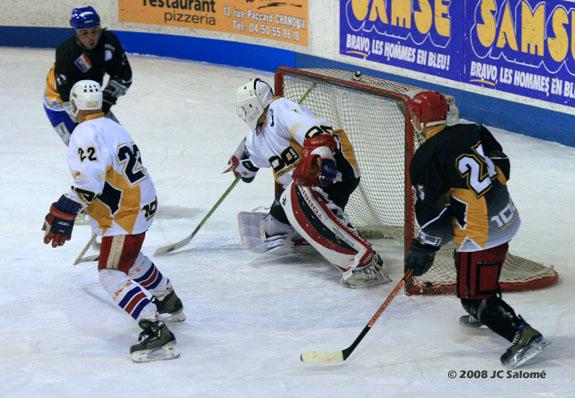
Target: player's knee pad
[
  {"x": 314, "y": 217},
  {"x": 113, "y": 280},
  {"x": 120, "y": 252},
  {"x": 478, "y": 272}
]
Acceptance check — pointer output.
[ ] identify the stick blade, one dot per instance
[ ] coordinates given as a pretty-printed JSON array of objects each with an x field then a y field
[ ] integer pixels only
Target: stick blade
[
  {"x": 164, "y": 250},
  {"x": 322, "y": 357},
  {"x": 170, "y": 248}
]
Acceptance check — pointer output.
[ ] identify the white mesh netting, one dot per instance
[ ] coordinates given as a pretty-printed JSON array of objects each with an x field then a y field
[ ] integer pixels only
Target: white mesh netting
[{"x": 371, "y": 112}]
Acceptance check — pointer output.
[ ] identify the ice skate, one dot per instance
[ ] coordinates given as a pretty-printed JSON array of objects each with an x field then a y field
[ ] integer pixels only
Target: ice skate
[
  {"x": 526, "y": 344},
  {"x": 170, "y": 308},
  {"x": 156, "y": 342},
  {"x": 469, "y": 321},
  {"x": 371, "y": 275}
]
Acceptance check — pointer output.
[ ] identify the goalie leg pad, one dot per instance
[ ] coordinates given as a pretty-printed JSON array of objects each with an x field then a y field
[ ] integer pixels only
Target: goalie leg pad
[
  {"x": 310, "y": 214},
  {"x": 478, "y": 272}
]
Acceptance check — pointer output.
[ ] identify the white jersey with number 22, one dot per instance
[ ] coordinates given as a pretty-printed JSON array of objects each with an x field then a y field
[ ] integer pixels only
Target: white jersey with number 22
[{"x": 109, "y": 177}]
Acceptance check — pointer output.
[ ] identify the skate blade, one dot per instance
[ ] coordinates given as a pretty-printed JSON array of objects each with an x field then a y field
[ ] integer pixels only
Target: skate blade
[
  {"x": 168, "y": 351},
  {"x": 278, "y": 245},
  {"x": 280, "y": 250},
  {"x": 175, "y": 317},
  {"x": 362, "y": 284},
  {"x": 538, "y": 346}
]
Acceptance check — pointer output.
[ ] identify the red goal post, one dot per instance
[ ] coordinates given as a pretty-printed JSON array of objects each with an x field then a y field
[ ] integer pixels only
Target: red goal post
[{"x": 374, "y": 114}]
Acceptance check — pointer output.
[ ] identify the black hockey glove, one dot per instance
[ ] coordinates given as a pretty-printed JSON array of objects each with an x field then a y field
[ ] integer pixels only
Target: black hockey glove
[
  {"x": 420, "y": 257},
  {"x": 59, "y": 221},
  {"x": 114, "y": 89},
  {"x": 107, "y": 102}
]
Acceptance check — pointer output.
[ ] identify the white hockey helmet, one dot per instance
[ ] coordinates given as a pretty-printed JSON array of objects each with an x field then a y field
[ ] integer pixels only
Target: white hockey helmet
[
  {"x": 85, "y": 95},
  {"x": 252, "y": 98}
]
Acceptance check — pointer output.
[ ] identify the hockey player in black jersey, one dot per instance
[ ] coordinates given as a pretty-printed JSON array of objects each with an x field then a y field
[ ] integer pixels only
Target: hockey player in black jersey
[
  {"x": 90, "y": 54},
  {"x": 459, "y": 176}
]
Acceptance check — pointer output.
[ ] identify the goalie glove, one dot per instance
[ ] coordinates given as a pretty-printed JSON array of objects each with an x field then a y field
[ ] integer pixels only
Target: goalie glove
[
  {"x": 59, "y": 221},
  {"x": 317, "y": 166},
  {"x": 240, "y": 164}
]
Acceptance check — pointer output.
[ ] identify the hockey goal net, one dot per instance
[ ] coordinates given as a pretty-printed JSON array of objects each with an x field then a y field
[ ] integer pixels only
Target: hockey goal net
[{"x": 373, "y": 113}]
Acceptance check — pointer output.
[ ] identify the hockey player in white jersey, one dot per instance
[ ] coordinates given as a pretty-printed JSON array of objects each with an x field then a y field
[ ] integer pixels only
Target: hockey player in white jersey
[
  {"x": 110, "y": 182},
  {"x": 317, "y": 170}
]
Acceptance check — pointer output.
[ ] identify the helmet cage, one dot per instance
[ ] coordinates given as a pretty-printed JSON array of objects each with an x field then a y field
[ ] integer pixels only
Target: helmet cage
[{"x": 252, "y": 99}]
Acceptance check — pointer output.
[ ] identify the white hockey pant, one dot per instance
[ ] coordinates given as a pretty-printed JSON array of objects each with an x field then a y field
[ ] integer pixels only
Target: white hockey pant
[{"x": 313, "y": 216}]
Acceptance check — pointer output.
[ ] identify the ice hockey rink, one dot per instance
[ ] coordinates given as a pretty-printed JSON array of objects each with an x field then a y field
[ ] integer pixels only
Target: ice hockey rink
[{"x": 249, "y": 315}]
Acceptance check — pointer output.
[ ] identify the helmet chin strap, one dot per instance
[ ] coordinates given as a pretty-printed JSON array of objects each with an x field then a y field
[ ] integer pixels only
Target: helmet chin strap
[
  {"x": 418, "y": 129},
  {"x": 422, "y": 126},
  {"x": 74, "y": 110},
  {"x": 436, "y": 123}
]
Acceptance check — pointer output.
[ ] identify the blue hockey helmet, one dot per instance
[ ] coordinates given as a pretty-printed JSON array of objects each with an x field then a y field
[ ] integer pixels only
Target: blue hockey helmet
[{"x": 84, "y": 18}]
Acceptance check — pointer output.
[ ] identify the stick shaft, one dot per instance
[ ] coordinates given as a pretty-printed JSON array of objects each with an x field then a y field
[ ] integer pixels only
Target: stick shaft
[
  {"x": 187, "y": 239},
  {"x": 171, "y": 247},
  {"x": 85, "y": 249},
  {"x": 325, "y": 357}
]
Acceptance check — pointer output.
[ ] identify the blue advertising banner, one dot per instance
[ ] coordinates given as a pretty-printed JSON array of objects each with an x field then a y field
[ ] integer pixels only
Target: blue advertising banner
[
  {"x": 420, "y": 35},
  {"x": 524, "y": 47}
]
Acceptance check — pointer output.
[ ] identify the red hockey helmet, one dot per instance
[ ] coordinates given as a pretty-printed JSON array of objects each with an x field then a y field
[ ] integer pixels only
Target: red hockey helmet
[{"x": 430, "y": 108}]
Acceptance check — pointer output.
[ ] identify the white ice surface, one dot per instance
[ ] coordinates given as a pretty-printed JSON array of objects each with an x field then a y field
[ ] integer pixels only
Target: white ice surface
[{"x": 249, "y": 315}]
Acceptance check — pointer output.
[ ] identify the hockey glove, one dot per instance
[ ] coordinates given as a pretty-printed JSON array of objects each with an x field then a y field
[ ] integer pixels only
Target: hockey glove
[
  {"x": 317, "y": 166},
  {"x": 59, "y": 221},
  {"x": 420, "y": 257},
  {"x": 107, "y": 102},
  {"x": 240, "y": 164},
  {"x": 113, "y": 90}
]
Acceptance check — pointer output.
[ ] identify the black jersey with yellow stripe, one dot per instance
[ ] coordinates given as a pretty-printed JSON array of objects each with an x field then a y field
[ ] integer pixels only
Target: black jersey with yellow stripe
[
  {"x": 459, "y": 176},
  {"x": 74, "y": 63}
]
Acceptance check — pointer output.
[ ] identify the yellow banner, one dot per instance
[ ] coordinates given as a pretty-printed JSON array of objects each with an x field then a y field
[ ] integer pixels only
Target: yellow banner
[{"x": 284, "y": 21}]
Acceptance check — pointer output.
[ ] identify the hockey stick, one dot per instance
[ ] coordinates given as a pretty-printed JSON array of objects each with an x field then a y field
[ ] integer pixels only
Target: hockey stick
[
  {"x": 81, "y": 258},
  {"x": 87, "y": 259},
  {"x": 328, "y": 357},
  {"x": 174, "y": 246}
]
